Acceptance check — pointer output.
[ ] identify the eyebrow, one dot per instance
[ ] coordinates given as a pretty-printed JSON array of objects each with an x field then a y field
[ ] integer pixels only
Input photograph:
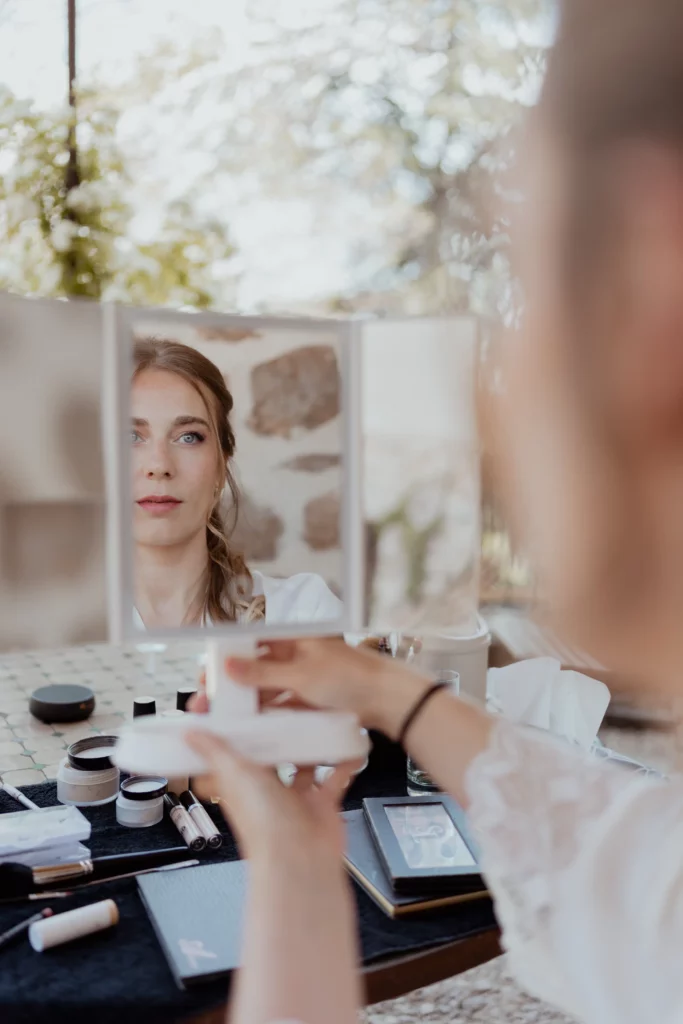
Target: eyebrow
[{"x": 179, "y": 421}]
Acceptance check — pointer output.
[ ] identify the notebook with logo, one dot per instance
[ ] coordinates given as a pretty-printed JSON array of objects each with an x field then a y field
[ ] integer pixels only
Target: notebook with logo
[{"x": 197, "y": 915}]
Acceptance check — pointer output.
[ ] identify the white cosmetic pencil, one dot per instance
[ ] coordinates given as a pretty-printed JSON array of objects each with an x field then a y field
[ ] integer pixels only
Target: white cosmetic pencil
[{"x": 17, "y": 795}]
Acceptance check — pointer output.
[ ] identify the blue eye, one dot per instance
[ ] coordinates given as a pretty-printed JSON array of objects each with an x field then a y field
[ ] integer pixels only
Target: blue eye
[
  {"x": 134, "y": 436},
  {"x": 191, "y": 437}
]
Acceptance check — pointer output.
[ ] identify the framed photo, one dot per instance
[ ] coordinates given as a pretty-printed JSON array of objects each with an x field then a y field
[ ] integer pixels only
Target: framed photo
[
  {"x": 423, "y": 843},
  {"x": 294, "y": 468}
]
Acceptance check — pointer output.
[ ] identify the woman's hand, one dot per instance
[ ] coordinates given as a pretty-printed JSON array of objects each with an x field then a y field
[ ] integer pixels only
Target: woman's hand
[
  {"x": 270, "y": 819},
  {"x": 328, "y": 673}
]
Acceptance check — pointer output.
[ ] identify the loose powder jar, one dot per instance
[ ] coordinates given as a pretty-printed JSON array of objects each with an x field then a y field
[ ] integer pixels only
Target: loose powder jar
[
  {"x": 140, "y": 801},
  {"x": 87, "y": 777}
]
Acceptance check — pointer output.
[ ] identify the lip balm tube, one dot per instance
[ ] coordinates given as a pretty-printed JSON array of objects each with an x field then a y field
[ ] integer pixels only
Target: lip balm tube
[
  {"x": 184, "y": 823},
  {"x": 144, "y": 706},
  {"x": 201, "y": 819},
  {"x": 74, "y": 924}
]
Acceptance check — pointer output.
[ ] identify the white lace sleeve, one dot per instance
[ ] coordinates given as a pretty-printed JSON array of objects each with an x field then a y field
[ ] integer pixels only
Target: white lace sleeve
[{"x": 585, "y": 862}]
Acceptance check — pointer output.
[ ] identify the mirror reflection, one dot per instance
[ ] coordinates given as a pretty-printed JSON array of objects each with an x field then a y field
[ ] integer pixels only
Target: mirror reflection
[{"x": 235, "y": 442}]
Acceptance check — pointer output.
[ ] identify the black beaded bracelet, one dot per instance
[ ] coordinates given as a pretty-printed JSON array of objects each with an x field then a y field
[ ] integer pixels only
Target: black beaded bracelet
[{"x": 417, "y": 708}]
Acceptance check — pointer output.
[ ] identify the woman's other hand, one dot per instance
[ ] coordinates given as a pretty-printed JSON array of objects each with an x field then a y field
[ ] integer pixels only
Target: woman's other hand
[
  {"x": 268, "y": 817},
  {"x": 328, "y": 673}
]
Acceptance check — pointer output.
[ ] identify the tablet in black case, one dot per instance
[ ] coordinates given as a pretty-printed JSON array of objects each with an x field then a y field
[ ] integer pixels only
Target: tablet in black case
[
  {"x": 424, "y": 843},
  {"x": 363, "y": 863}
]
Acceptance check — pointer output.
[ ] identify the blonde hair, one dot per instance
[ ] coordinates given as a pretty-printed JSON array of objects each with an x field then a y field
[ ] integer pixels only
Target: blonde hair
[{"x": 228, "y": 593}]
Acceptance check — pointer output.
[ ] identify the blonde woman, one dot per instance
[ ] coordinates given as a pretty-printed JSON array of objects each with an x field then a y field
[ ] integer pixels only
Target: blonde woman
[{"x": 186, "y": 569}]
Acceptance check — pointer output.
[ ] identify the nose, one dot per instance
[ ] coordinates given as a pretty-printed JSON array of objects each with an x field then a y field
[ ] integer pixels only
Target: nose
[{"x": 159, "y": 465}]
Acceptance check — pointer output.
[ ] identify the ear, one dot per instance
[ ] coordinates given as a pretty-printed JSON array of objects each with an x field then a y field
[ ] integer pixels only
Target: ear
[{"x": 648, "y": 355}]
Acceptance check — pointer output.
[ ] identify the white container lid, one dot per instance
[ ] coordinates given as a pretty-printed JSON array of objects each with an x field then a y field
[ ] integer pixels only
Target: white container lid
[{"x": 458, "y": 642}]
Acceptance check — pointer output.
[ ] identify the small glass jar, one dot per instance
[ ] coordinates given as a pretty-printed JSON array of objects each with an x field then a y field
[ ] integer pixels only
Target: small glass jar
[
  {"x": 140, "y": 802},
  {"x": 87, "y": 777},
  {"x": 418, "y": 781}
]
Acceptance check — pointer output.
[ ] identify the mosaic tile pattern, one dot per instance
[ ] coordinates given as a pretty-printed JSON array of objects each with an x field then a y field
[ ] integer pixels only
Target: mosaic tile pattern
[{"x": 31, "y": 751}]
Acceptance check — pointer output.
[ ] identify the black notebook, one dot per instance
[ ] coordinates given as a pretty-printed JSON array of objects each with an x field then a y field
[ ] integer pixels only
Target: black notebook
[
  {"x": 197, "y": 915},
  {"x": 365, "y": 866}
]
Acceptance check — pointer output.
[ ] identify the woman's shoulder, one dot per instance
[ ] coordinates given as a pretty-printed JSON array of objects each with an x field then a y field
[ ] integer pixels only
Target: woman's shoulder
[{"x": 300, "y": 598}]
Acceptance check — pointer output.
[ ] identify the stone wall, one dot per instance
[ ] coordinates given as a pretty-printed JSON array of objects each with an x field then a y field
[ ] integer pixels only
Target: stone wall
[{"x": 286, "y": 388}]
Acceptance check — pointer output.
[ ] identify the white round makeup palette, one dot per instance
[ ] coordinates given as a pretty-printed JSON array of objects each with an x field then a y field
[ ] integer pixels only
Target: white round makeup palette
[{"x": 272, "y": 737}]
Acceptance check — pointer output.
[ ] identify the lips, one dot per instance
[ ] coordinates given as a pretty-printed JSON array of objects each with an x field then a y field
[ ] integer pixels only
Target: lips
[{"x": 159, "y": 504}]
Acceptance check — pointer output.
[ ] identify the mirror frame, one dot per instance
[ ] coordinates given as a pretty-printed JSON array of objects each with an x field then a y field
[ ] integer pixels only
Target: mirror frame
[{"x": 119, "y": 325}]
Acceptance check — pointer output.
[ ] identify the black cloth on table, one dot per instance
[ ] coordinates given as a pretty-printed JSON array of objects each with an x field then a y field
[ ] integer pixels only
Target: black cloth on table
[{"x": 122, "y": 974}]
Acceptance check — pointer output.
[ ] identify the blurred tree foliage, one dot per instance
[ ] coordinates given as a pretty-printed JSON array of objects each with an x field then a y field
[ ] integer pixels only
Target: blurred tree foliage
[
  {"x": 408, "y": 103},
  {"x": 391, "y": 120},
  {"x": 80, "y": 240}
]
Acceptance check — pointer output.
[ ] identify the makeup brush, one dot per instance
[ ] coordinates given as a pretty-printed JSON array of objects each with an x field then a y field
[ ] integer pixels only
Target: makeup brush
[
  {"x": 19, "y": 880},
  {"x": 48, "y": 894}
]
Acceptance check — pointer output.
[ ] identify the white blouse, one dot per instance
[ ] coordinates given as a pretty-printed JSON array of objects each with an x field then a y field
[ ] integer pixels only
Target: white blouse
[
  {"x": 585, "y": 863},
  {"x": 301, "y": 598},
  {"x": 304, "y": 597}
]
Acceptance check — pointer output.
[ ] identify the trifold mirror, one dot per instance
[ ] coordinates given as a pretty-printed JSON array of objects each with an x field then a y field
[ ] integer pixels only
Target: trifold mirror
[{"x": 261, "y": 475}]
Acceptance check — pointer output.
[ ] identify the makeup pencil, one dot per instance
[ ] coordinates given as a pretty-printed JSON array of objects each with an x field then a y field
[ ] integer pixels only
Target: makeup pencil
[{"x": 23, "y": 926}]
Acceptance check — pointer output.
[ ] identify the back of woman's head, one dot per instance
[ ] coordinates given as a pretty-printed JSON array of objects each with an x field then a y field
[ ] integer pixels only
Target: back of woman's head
[
  {"x": 591, "y": 441},
  {"x": 616, "y": 72},
  {"x": 614, "y": 83}
]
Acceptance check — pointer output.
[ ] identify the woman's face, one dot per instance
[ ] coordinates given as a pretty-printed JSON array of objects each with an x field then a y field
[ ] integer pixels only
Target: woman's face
[
  {"x": 175, "y": 460},
  {"x": 589, "y": 446}
]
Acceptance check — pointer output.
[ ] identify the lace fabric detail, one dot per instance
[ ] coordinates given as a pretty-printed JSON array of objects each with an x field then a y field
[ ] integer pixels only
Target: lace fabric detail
[{"x": 533, "y": 800}]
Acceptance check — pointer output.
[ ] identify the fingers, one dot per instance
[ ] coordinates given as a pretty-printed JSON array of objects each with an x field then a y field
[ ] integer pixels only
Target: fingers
[
  {"x": 282, "y": 699},
  {"x": 304, "y": 779},
  {"x": 338, "y": 781},
  {"x": 215, "y": 751},
  {"x": 226, "y": 764},
  {"x": 198, "y": 703},
  {"x": 260, "y": 673},
  {"x": 205, "y": 787},
  {"x": 279, "y": 650}
]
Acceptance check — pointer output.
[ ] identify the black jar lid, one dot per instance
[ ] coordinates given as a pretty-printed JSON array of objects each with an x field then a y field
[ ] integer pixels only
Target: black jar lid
[
  {"x": 92, "y": 754},
  {"x": 144, "y": 706},
  {"x": 183, "y": 695},
  {"x": 143, "y": 787},
  {"x": 62, "y": 702}
]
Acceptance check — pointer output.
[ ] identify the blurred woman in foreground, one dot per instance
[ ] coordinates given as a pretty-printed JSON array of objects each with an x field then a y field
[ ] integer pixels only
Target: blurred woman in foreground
[{"x": 584, "y": 860}]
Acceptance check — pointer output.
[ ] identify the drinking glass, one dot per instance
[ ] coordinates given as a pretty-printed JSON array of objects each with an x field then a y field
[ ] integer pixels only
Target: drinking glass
[{"x": 418, "y": 781}]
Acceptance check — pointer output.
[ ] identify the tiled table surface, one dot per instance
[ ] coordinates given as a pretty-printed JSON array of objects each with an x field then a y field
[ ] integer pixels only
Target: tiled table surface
[{"x": 30, "y": 751}]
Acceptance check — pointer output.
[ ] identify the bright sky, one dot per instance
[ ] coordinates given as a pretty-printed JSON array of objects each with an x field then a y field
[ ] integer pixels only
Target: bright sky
[
  {"x": 289, "y": 251},
  {"x": 111, "y": 34},
  {"x": 283, "y": 256}
]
